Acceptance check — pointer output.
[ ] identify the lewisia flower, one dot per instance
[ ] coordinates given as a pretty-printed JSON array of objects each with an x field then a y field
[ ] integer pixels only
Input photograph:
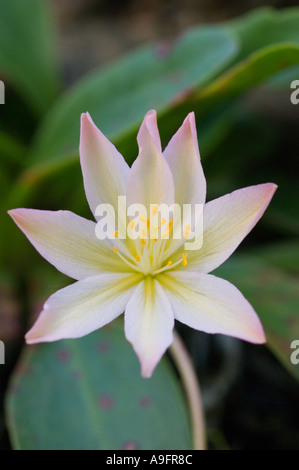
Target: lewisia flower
[{"x": 152, "y": 280}]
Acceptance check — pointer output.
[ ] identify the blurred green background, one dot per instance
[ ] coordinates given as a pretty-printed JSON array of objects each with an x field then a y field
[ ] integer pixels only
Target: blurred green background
[{"x": 233, "y": 64}]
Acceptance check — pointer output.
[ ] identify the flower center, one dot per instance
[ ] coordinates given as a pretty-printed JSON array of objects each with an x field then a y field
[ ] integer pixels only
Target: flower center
[{"x": 147, "y": 254}]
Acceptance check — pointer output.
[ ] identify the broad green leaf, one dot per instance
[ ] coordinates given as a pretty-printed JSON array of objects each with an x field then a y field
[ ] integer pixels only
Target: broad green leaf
[
  {"x": 119, "y": 95},
  {"x": 265, "y": 27},
  {"x": 223, "y": 91},
  {"x": 283, "y": 80},
  {"x": 27, "y": 54},
  {"x": 275, "y": 297},
  {"x": 252, "y": 71},
  {"x": 88, "y": 394}
]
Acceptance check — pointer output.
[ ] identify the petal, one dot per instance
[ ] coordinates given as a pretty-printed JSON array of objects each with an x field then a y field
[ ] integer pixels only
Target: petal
[
  {"x": 149, "y": 130},
  {"x": 83, "y": 307},
  {"x": 226, "y": 222},
  {"x": 183, "y": 158},
  {"x": 148, "y": 324},
  {"x": 150, "y": 180},
  {"x": 68, "y": 242},
  {"x": 208, "y": 303},
  {"x": 105, "y": 172}
]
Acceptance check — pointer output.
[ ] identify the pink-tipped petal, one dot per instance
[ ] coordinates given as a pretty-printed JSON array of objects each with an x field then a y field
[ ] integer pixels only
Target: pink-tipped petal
[
  {"x": 149, "y": 130},
  {"x": 83, "y": 307},
  {"x": 67, "y": 241},
  {"x": 150, "y": 180},
  {"x": 207, "y": 303},
  {"x": 183, "y": 158},
  {"x": 105, "y": 172},
  {"x": 226, "y": 222},
  {"x": 149, "y": 323}
]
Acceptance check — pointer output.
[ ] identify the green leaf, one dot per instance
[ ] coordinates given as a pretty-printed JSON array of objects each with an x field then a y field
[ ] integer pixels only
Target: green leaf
[
  {"x": 265, "y": 27},
  {"x": 275, "y": 297},
  {"x": 88, "y": 394},
  {"x": 283, "y": 80},
  {"x": 252, "y": 71},
  {"x": 118, "y": 96},
  {"x": 27, "y": 57}
]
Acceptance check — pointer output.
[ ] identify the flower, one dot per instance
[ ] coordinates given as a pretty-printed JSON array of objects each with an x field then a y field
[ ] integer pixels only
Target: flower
[{"x": 152, "y": 280}]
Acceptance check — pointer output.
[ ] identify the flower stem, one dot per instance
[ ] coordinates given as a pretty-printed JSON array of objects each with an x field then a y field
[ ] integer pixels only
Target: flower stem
[{"x": 185, "y": 367}]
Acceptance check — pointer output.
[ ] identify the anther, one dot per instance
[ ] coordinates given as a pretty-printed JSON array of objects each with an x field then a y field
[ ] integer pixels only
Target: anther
[{"x": 154, "y": 210}]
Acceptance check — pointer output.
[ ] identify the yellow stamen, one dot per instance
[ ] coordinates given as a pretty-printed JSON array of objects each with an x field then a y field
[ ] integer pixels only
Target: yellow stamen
[
  {"x": 145, "y": 220},
  {"x": 137, "y": 257},
  {"x": 115, "y": 234},
  {"x": 132, "y": 224},
  {"x": 168, "y": 267},
  {"x": 143, "y": 241},
  {"x": 188, "y": 227},
  {"x": 154, "y": 210},
  {"x": 116, "y": 250},
  {"x": 168, "y": 229},
  {"x": 163, "y": 221},
  {"x": 143, "y": 233},
  {"x": 184, "y": 259},
  {"x": 186, "y": 234},
  {"x": 165, "y": 234},
  {"x": 169, "y": 263}
]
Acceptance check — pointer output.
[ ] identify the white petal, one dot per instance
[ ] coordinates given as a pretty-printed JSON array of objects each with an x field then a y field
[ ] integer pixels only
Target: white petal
[
  {"x": 83, "y": 307},
  {"x": 150, "y": 180},
  {"x": 208, "y": 303},
  {"x": 148, "y": 324},
  {"x": 68, "y": 242},
  {"x": 105, "y": 171},
  {"x": 149, "y": 131},
  {"x": 182, "y": 155},
  {"x": 226, "y": 222}
]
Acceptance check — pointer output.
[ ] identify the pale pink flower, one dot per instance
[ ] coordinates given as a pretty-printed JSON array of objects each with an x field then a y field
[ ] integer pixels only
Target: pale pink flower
[{"x": 152, "y": 286}]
